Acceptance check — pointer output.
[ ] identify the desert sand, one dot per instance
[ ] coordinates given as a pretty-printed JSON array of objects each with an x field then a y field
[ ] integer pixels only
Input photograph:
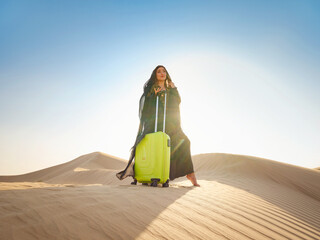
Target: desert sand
[{"x": 241, "y": 197}]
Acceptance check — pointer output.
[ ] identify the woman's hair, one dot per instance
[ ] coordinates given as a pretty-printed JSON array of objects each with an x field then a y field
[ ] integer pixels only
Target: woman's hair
[{"x": 150, "y": 84}]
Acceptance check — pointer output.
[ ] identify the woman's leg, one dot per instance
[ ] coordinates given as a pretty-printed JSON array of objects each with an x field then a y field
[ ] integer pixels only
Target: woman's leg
[{"x": 192, "y": 178}]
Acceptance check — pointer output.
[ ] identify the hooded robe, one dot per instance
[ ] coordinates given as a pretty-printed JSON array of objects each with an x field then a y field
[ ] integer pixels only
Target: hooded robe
[{"x": 180, "y": 155}]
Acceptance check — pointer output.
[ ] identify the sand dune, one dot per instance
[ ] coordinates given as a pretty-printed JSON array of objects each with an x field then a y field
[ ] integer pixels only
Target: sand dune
[
  {"x": 241, "y": 197},
  {"x": 91, "y": 168}
]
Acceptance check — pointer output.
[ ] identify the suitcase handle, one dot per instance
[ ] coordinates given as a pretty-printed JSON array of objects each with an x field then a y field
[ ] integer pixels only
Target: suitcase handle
[{"x": 164, "y": 115}]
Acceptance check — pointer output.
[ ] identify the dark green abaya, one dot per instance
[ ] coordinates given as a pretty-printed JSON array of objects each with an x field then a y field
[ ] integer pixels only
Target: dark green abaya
[{"x": 180, "y": 158}]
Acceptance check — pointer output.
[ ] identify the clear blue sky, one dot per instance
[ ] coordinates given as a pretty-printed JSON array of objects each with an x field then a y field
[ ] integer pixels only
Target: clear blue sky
[{"x": 72, "y": 72}]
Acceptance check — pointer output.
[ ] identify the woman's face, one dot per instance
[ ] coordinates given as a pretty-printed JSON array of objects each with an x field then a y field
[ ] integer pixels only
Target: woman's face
[{"x": 161, "y": 74}]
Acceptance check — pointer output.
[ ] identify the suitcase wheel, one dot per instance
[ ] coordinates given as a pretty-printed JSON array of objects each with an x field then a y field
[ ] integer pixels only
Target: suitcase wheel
[
  {"x": 166, "y": 184},
  {"x": 134, "y": 182},
  {"x": 154, "y": 182}
]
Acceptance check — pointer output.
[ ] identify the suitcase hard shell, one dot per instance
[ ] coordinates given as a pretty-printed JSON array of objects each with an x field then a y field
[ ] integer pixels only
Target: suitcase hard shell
[{"x": 152, "y": 158}]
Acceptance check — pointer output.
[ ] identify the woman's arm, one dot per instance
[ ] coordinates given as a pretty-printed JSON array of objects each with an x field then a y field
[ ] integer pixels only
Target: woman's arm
[
  {"x": 144, "y": 110},
  {"x": 175, "y": 94}
]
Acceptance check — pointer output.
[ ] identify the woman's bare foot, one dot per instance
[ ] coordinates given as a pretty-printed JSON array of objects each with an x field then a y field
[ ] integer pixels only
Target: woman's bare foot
[{"x": 193, "y": 179}]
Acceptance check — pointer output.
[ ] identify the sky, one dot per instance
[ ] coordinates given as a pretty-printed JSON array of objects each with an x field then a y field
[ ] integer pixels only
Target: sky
[{"x": 72, "y": 73}]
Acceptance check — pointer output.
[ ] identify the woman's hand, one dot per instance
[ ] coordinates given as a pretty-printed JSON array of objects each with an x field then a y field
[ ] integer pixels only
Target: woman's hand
[{"x": 158, "y": 89}]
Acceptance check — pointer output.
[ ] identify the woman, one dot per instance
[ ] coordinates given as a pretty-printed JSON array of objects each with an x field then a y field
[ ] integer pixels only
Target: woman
[{"x": 180, "y": 156}]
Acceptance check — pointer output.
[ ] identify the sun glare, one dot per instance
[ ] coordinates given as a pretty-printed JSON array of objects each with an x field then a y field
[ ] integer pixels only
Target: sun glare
[{"x": 220, "y": 102}]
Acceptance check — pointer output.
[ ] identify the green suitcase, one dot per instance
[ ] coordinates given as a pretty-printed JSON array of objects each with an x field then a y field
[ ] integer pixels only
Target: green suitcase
[{"x": 152, "y": 158}]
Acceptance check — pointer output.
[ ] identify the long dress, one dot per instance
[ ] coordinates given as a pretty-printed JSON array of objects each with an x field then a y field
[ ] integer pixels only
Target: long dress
[{"x": 180, "y": 157}]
